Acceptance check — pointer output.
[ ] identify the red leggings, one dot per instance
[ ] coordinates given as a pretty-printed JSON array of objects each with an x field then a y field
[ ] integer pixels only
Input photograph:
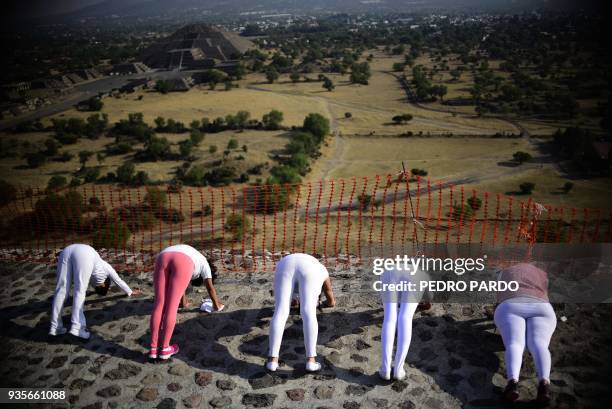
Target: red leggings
[{"x": 173, "y": 271}]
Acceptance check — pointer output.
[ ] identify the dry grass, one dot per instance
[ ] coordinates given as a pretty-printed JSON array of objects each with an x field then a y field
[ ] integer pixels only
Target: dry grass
[
  {"x": 202, "y": 102},
  {"x": 441, "y": 157},
  {"x": 259, "y": 144}
]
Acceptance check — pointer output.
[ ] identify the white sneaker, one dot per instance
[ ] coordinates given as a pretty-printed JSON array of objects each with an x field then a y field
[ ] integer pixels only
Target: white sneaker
[
  {"x": 313, "y": 366},
  {"x": 271, "y": 366},
  {"x": 57, "y": 331},
  {"x": 81, "y": 333},
  {"x": 385, "y": 375},
  {"x": 399, "y": 374}
]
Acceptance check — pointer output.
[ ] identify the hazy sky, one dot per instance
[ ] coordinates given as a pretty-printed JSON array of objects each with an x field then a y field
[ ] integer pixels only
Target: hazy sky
[{"x": 35, "y": 8}]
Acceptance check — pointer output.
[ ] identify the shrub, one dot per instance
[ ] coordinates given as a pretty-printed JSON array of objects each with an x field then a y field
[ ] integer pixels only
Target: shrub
[
  {"x": 156, "y": 149},
  {"x": 196, "y": 136},
  {"x": 364, "y": 200},
  {"x": 418, "y": 172},
  {"x": 36, "y": 159},
  {"x": 284, "y": 174},
  {"x": 120, "y": 148},
  {"x": 212, "y": 149},
  {"x": 56, "y": 182},
  {"x": 91, "y": 175},
  {"x": 521, "y": 157},
  {"x": 8, "y": 192},
  {"x": 237, "y": 225},
  {"x": 125, "y": 173},
  {"x": 348, "y": 115},
  {"x": 65, "y": 157},
  {"x": 113, "y": 235},
  {"x": 527, "y": 187},
  {"x": 272, "y": 120},
  {"x": 136, "y": 218},
  {"x": 185, "y": 148},
  {"x": 95, "y": 104},
  {"x": 162, "y": 86},
  {"x": 195, "y": 176},
  {"x": 462, "y": 212},
  {"x": 59, "y": 212},
  {"x": 403, "y": 118},
  {"x": 567, "y": 187},
  {"x": 232, "y": 144},
  {"x": 52, "y": 146},
  {"x": 155, "y": 198},
  {"x": 475, "y": 203},
  {"x": 170, "y": 215},
  {"x": 66, "y": 138}
]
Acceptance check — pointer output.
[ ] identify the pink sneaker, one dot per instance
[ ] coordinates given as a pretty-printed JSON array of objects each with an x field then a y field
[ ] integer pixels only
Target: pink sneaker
[
  {"x": 153, "y": 353},
  {"x": 166, "y": 353}
]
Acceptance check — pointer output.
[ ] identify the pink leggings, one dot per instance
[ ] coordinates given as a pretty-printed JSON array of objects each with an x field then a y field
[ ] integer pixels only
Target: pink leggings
[{"x": 173, "y": 271}]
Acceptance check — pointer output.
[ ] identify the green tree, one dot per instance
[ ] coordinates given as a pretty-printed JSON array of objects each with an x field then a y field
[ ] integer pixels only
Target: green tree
[
  {"x": 84, "y": 156},
  {"x": 403, "y": 118},
  {"x": 162, "y": 86},
  {"x": 155, "y": 199},
  {"x": 317, "y": 125},
  {"x": 295, "y": 77},
  {"x": 125, "y": 173},
  {"x": 241, "y": 118},
  {"x": 185, "y": 148},
  {"x": 237, "y": 225},
  {"x": 273, "y": 119},
  {"x": 328, "y": 84},
  {"x": 56, "y": 182},
  {"x": 271, "y": 74},
  {"x": 232, "y": 144},
  {"x": 95, "y": 104},
  {"x": 196, "y": 136},
  {"x": 52, "y": 147}
]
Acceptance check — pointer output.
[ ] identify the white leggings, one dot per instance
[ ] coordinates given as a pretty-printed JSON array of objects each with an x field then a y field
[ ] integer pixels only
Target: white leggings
[
  {"x": 75, "y": 264},
  {"x": 309, "y": 275},
  {"x": 522, "y": 322},
  {"x": 404, "y": 333}
]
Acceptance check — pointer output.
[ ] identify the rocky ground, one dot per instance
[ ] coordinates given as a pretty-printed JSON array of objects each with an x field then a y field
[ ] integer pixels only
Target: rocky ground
[{"x": 455, "y": 360}]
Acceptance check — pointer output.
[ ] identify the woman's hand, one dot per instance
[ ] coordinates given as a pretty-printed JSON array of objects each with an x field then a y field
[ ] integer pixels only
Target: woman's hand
[
  {"x": 136, "y": 291},
  {"x": 219, "y": 307},
  {"x": 185, "y": 302}
]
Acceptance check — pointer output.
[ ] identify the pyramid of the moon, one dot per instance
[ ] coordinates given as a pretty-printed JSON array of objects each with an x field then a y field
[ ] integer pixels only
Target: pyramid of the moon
[{"x": 195, "y": 46}]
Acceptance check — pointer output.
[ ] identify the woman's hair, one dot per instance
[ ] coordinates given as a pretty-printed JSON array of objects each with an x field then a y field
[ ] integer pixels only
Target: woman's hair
[
  {"x": 197, "y": 282},
  {"x": 102, "y": 289}
]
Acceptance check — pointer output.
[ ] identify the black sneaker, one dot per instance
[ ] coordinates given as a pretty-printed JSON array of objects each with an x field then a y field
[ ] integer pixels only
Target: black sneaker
[
  {"x": 511, "y": 392},
  {"x": 544, "y": 393}
]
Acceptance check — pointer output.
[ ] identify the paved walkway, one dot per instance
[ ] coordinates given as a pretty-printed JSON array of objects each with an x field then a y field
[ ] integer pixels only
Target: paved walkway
[{"x": 455, "y": 360}]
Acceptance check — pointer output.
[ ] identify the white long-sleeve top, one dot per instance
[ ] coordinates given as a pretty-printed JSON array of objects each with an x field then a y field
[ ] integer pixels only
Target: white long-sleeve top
[
  {"x": 102, "y": 270},
  {"x": 201, "y": 266}
]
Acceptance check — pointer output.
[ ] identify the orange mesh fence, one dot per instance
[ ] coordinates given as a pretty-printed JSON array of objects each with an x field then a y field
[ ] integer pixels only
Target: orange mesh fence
[{"x": 344, "y": 219}]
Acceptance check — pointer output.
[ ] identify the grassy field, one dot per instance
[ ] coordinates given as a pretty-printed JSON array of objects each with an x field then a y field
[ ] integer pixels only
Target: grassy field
[
  {"x": 362, "y": 145},
  {"x": 441, "y": 157},
  {"x": 372, "y": 106},
  {"x": 259, "y": 145},
  {"x": 201, "y": 102}
]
